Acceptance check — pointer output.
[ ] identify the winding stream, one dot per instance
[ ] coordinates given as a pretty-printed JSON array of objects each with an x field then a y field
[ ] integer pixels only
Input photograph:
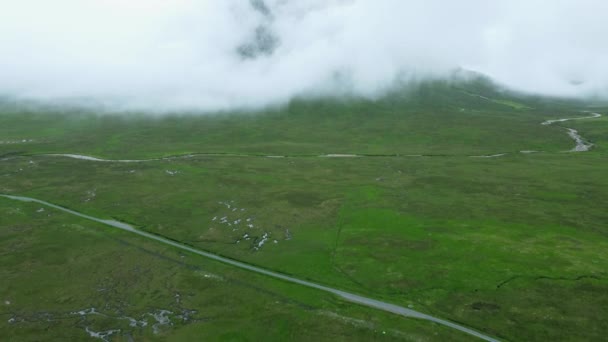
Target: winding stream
[
  {"x": 95, "y": 159},
  {"x": 581, "y": 144},
  {"x": 593, "y": 116}
]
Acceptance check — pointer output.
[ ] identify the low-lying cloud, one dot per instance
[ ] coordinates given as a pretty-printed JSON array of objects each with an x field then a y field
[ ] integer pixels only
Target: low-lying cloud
[{"x": 226, "y": 54}]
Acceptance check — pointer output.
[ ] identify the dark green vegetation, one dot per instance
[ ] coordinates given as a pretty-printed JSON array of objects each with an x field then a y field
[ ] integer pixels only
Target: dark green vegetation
[
  {"x": 55, "y": 266},
  {"x": 436, "y": 119},
  {"x": 511, "y": 246}
]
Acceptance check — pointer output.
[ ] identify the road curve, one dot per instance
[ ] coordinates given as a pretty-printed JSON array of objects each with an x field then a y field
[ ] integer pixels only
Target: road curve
[{"x": 351, "y": 297}]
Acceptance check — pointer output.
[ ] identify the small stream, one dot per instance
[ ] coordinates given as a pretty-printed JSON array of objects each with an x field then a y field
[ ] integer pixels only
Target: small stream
[{"x": 581, "y": 144}]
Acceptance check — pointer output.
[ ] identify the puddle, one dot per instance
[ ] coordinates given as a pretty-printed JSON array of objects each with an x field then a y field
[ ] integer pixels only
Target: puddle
[
  {"x": 162, "y": 319},
  {"x": 18, "y": 141},
  {"x": 340, "y": 156},
  {"x": 491, "y": 156},
  {"x": 103, "y": 335}
]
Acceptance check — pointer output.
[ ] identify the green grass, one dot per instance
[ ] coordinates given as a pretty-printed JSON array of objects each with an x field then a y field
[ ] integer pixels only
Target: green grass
[
  {"x": 512, "y": 246},
  {"x": 594, "y": 130},
  {"x": 54, "y": 265},
  {"x": 433, "y": 120},
  {"x": 512, "y": 104}
]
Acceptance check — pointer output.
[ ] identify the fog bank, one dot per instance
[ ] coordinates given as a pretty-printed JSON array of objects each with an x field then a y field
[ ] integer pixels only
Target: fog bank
[{"x": 231, "y": 54}]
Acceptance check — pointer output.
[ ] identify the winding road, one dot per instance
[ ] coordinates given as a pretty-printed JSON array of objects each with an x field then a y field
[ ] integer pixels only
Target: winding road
[{"x": 351, "y": 297}]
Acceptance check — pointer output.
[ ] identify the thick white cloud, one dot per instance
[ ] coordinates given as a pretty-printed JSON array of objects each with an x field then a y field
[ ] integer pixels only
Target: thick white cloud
[{"x": 223, "y": 54}]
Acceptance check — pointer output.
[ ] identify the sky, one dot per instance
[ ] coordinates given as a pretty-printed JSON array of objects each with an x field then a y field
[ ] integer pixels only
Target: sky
[{"x": 209, "y": 55}]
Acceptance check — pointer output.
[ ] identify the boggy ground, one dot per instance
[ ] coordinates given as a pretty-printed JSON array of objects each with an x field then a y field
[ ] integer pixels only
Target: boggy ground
[
  {"x": 69, "y": 279},
  {"x": 512, "y": 246},
  {"x": 463, "y": 245}
]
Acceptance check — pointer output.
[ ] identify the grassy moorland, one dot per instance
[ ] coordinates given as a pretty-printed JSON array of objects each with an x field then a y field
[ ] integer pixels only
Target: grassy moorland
[
  {"x": 513, "y": 246},
  {"x": 56, "y": 269},
  {"x": 437, "y": 119}
]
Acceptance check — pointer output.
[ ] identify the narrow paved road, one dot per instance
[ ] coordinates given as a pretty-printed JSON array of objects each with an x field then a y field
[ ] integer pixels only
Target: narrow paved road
[{"x": 351, "y": 297}]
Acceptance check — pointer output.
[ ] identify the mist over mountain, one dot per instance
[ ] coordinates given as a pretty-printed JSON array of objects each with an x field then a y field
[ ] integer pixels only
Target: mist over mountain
[{"x": 232, "y": 54}]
